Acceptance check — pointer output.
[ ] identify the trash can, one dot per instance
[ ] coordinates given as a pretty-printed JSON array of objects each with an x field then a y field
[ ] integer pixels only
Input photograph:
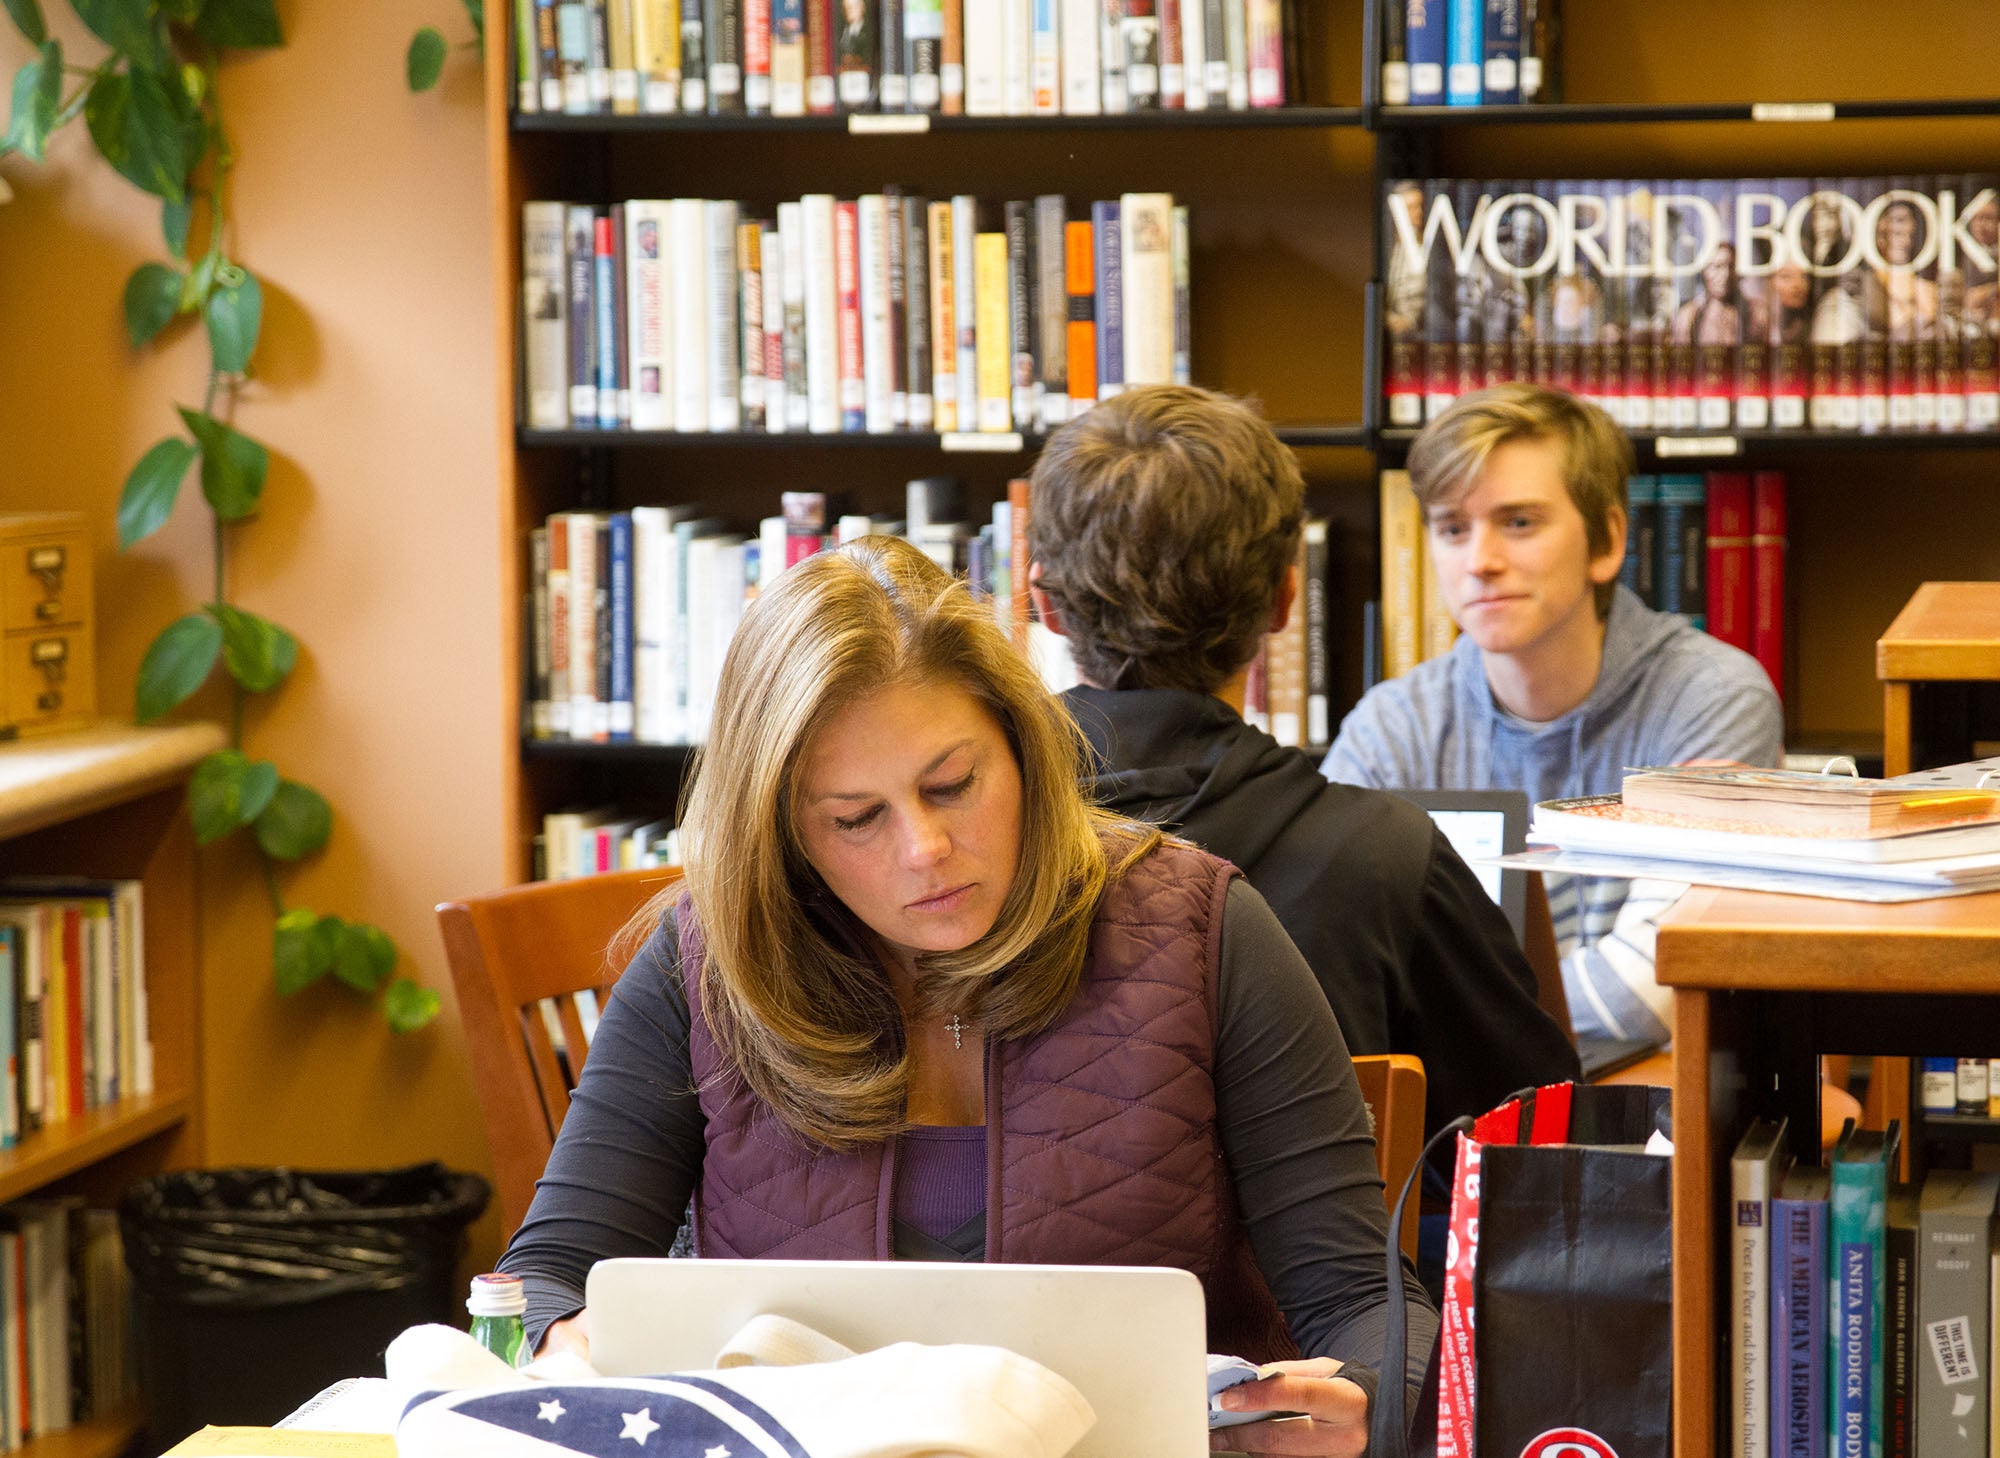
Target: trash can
[{"x": 256, "y": 1288}]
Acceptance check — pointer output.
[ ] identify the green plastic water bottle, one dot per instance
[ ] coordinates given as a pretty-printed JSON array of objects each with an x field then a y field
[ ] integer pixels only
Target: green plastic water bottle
[{"x": 497, "y": 1304}]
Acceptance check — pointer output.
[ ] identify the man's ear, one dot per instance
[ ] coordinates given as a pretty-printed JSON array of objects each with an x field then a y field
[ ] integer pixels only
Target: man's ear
[
  {"x": 1288, "y": 594},
  {"x": 1605, "y": 565},
  {"x": 1044, "y": 605}
]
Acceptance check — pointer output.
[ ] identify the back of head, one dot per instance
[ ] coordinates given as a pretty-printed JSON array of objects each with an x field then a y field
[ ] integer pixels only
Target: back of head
[
  {"x": 1594, "y": 455},
  {"x": 1163, "y": 520}
]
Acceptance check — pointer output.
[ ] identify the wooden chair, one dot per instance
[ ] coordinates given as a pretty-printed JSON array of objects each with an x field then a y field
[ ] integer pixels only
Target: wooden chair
[
  {"x": 1392, "y": 1085},
  {"x": 1538, "y": 941},
  {"x": 519, "y": 959}
]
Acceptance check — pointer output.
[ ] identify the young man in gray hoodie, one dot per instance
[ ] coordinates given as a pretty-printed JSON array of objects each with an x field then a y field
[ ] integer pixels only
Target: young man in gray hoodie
[
  {"x": 1165, "y": 527},
  {"x": 1561, "y": 679}
]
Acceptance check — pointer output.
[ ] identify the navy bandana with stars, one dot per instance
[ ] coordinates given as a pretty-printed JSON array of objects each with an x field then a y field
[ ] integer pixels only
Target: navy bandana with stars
[{"x": 665, "y": 1417}]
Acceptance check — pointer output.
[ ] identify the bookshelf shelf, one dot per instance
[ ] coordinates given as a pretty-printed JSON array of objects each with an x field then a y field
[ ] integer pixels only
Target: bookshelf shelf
[
  {"x": 921, "y": 123},
  {"x": 100, "y": 1437},
  {"x": 590, "y": 751},
  {"x": 45, "y": 781},
  {"x": 1008, "y": 444},
  {"x": 61, "y": 1149},
  {"x": 1776, "y": 113},
  {"x": 1700, "y": 449}
]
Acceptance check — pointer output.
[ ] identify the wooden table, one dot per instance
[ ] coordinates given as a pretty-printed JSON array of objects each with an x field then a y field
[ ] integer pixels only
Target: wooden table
[
  {"x": 1948, "y": 632},
  {"x": 1762, "y": 985}
]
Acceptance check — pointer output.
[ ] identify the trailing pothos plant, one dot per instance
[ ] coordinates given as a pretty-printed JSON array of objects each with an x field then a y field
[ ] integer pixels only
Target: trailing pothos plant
[
  {"x": 153, "y": 109},
  {"x": 424, "y": 63}
]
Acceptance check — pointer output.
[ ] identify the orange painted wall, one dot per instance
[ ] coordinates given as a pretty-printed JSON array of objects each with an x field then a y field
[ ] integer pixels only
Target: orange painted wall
[{"x": 363, "y": 211}]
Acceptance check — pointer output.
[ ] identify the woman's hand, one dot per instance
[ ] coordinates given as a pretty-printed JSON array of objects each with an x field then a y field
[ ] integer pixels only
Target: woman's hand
[
  {"x": 571, "y": 1334},
  {"x": 1335, "y": 1412}
]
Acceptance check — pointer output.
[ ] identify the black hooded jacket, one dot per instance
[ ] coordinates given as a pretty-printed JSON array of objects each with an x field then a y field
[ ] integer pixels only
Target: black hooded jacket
[{"x": 1413, "y": 955}]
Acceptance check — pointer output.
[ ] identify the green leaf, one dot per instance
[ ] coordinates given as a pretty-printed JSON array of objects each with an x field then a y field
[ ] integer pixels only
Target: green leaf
[
  {"x": 181, "y": 12},
  {"x": 151, "y": 490},
  {"x": 408, "y": 1006},
  {"x": 37, "y": 94},
  {"x": 233, "y": 466},
  {"x": 363, "y": 956},
  {"x": 152, "y": 298},
  {"x": 228, "y": 790},
  {"x": 302, "y": 945},
  {"x": 425, "y": 62},
  {"x": 257, "y": 652},
  {"x": 177, "y": 664},
  {"x": 241, "y": 23},
  {"x": 174, "y": 220},
  {"x": 475, "y": 11},
  {"x": 124, "y": 25},
  {"x": 234, "y": 313},
  {"x": 28, "y": 19},
  {"x": 296, "y": 822},
  {"x": 141, "y": 131}
]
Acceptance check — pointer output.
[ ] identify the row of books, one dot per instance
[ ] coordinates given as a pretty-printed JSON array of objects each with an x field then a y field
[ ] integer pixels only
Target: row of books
[
  {"x": 1834, "y": 304},
  {"x": 66, "y": 1347},
  {"x": 1861, "y": 1312},
  {"x": 1471, "y": 52},
  {"x": 952, "y": 57},
  {"x": 73, "y": 1013},
  {"x": 1969, "y": 1087},
  {"x": 882, "y": 313}
]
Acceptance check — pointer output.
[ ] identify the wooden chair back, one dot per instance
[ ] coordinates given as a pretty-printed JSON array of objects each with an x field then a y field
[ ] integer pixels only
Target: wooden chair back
[
  {"x": 530, "y": 964},
  {"x": 1538, "y": 940},
  {"x": 1392, "y": 1085}
]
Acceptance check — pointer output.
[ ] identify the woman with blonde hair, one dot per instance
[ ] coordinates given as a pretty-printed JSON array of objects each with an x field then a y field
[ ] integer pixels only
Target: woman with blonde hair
[{"x": 918, "y": 1000}]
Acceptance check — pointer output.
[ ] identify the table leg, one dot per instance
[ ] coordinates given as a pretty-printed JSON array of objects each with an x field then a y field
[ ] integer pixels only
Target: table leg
[{"x": 1895, "y": 728}]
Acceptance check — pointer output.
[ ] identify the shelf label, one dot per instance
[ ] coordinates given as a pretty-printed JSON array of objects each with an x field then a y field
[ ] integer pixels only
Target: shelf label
[
  {"x": 1667, "y": 446},
  {"x": 997, "y": 442},
  {"x": 878, "y": 124},
  {"x": 1792, "y": 111}
]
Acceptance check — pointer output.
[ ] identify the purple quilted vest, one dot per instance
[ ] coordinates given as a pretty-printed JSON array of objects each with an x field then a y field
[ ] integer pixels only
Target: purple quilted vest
[{"x": 1101, "y": 1139}]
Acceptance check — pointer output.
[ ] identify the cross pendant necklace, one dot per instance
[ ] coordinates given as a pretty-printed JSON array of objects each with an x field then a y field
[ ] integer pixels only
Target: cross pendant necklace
[{"x": 956, "y": 1029}]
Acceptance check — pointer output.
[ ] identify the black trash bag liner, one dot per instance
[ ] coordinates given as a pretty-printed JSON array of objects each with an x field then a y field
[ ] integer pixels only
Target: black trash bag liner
[{"x": 273, "y": 1237}]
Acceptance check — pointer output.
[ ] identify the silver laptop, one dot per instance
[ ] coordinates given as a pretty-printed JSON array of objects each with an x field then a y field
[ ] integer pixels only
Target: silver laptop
[
  {"x": 1132, "y": 1339},
  {"x": 1481, "y": 823}
]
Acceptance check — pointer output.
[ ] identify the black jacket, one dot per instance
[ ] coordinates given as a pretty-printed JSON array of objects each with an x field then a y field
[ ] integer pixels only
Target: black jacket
[{"x": 1413, "y": 955}]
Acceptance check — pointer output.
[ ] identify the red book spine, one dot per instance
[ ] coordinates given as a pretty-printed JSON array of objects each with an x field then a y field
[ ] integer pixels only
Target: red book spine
[
  {"x": 757, "y": 56},
  {"x": 847, "y": 292},
  {"x": 1729, "y": 557},
  {"x": 1017, "y": 510},
  {"x": 821, "y": 95},
  {"x": 1767, "y": 575},
  {"x": 1173, "y": 73}
]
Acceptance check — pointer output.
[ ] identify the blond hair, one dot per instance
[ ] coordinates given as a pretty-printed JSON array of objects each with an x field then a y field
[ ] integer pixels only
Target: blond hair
[
  {"x": 789, "y": 987},
  {"x": 1163, "y": 521},
  {"x": 1594, "y": 455}
]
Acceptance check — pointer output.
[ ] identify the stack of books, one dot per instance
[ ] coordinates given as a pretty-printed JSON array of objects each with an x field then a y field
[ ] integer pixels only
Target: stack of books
[{"x": 1935, "y": 833}]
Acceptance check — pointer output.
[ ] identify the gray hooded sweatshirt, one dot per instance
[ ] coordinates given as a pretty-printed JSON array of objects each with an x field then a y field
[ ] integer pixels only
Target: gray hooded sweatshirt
[{"x": 1665, "y": 693}]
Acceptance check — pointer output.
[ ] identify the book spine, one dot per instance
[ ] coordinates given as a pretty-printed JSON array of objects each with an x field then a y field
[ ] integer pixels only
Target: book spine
[
  {"x": 1044, "y": 57},
  {"x": 1111, "y": 56},
  {"x": 819, "y": 327},
  {"x": 1767, "y": 574},
  {"x": 609, "y": 327},
  {"x": 788, "y": 57},
  {"x": 624, "y": 61},
  {"x": 651, "y": 538},
  {"x": 965, "y": 306},
  {"x": 725, "y": 338},
  {"x": 582, "y": 314},
  {"x": 1173, "y": 63},
  {"x": 557, "y": 527},
  {"x": 1954, "y": 1368},
  {"x": 985, "y": 40},
  {"x": 822, "y": 91},
  {"x": 877, "y": 329},
  {"x": 1139, "y": 34},
  {"x": 1193, "y": 16},
  {"x": 1501, "y": 81},
  {"x": 944, "y": 266},
  {"x": 1899, "y": 1316},
  {"x": 539, "y": 726},
  {"x": 1465, "y": 52},
  {"x": 1019, "y": 504},
  {"x": 583, "y": 702},
  {"x": 1081, "y": 78},
  {"x": 1854, "y": 1416},
  {"x": 759, "y": 37},
  {"x": 657, "y": 51},
  {"x": 892, "y": 87},
  {"x": 951, "y": 59},
  {"x": 923, "y": 53},
  {"x": 750, "y": 318},
  {"x": 898, "y": 278},
  {"x": 1319, "y": 671},
  {"x": 1180, "y": 256},
  {"x": 649, "y": 325},
  {"x": 771, "y": 250},
  {"x": 598, "y": 72},
  {"x": 545, "y": 315},
  {"x": 687, "y": 274},
  {"x": 1405, "y": 285},
  {"x": 993, "y": 334},
  {"x": 1798, "y": 1327},
  {"x": 1051, "y": 310},
  {"x": 1080, "y": 328},
  {"x": 1017, "y": 39},
  {"x": 1147, "y": 286},
  {"x": 855, "y": 52},
  {"x": 722, "y": 33},
  {"x": 1104, "y": 217},
  {"x": 917, "y": 377},
  {"x": 1729, "y": 557},
  {"x": 1402, "y": 574},
  {"x": 548, "y": 57},
  {"x": 1236, "y": 48},
  {"x": 1441, "y": 315},
  {"x": 1021, "y": 315},
  {"x": 1682, "y": 556},
  {"x": 621, "y": 714},
  {"x": 1750, "y": 1180},
  {"x": 847, "y": 286},
  {"x": 1982, "y": 280},
  {"x": 1265, "y": 43},
  {"x": 1424, "y": 38}
]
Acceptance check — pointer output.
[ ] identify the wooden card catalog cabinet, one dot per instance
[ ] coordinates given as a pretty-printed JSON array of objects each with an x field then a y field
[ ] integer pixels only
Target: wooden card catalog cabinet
[{"x": 48, "y": 669}]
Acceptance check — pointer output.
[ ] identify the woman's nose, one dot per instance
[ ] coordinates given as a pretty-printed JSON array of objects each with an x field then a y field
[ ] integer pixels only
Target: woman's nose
[{"x": 927, "y": 841}]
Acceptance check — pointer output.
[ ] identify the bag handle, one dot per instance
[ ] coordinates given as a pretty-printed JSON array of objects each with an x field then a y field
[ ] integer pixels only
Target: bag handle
[{"x": 1389, "y": 1430}]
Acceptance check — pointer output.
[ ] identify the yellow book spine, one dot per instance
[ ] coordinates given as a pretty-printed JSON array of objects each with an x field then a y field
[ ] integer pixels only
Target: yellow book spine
[
  {"x": 1402, "y": 575},
  {"x": 992, "y": 342},
  {"x": 1439, "y": 631}
]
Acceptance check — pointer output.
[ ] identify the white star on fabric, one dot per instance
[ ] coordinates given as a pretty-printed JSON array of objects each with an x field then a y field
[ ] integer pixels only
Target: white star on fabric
[
  {"x": 639, "y": 1425},
  {"x": 718, "y": 1451},
  {"x": 549, "y": 1411}
]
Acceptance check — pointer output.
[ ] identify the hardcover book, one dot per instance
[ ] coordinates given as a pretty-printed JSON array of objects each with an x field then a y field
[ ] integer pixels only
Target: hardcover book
[
  {"x": 1754, "y": 1171},
  {"x": 1798, "y": 1315}
]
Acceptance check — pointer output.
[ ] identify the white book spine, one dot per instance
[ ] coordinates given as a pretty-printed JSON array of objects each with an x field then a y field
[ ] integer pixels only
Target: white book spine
[
  {"x": 792, "y": 246},
  {"x": 1080, "y": 80},
  {"x": 944, "y": 318},
  {"x": 1045, "y": 57},
  {"x": 985, "y": 57},
  {"x": 1017, "y": 49},
  {"x": 688, "y": 275},
  {"x": 652, "y": 537},
  {"x": 771, "y": 253},
  {"x": 545, "y": 314},
  {"x": 725, "y": 401},
  {"x": 1145, "y": 225},
  {"x": 877, "y": 340},
  {"x": 1111, "y": 56},
  {"x": 822, "y": 316},
  {"x": 583, "y": 703},
  {"x": 702, "y": 661},
  {"x": 648, "y": 316},
  {"x": 1194, "y": 43},
  {"x": 965, "y": 306},
  {"x": 770, "y": 550}
]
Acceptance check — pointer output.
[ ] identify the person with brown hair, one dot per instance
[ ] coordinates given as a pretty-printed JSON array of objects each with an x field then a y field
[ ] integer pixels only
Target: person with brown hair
[
  {"x": 1165, "y": 528},
  {"x": 919, "y": 1000}
]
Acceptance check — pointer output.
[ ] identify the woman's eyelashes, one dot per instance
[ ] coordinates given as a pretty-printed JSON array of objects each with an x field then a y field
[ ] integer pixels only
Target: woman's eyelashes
[{"x": 946, "y": 793}]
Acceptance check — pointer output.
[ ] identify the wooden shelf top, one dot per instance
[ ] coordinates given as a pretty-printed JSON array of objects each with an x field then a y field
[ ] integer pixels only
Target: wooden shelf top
[
  {"x": 1947, "y": 630},
  {"x": 59, "y": 777},
  {"x": 1734, "y": 940},
  {"x": 100, "y": 1437},
  {"x": 62, "y": 1148}
]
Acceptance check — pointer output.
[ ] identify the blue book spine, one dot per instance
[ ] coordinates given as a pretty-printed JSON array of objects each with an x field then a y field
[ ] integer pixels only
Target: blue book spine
[
  {"x": 1798, "y": 1318},
  {"x": 1423, "y": 41},
  {"x": 622, "y": 711},
  {"x": 1682, "y": 520},
  {"x": 1110, "y": 300},
  {"x": 1502, "y": 84},
  {"x": 581, "y": 243},
  {"x": 1465, "y": 53},
  {"x": 1854, "y": 1308},
  {"x": 604, "y": 280}
]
